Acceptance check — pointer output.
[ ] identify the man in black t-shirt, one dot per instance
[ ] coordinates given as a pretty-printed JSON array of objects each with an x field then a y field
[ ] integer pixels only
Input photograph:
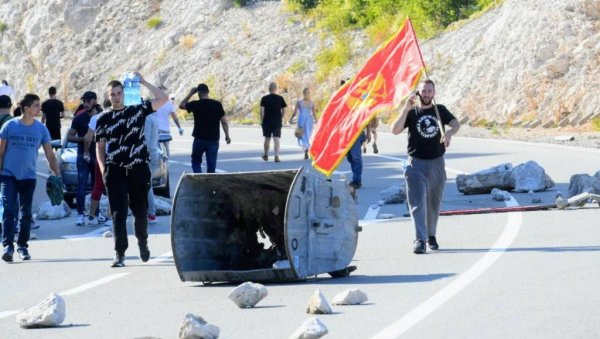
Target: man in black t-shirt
[
  {"x": 52, "y": 111},
  {"x": 425, "y": 171},
  {"x": 85, "y": 163},
  {"x": 272, "y": 110},
  {"x": 123, "y": 159},
  {"x": 208, "y": 113}
]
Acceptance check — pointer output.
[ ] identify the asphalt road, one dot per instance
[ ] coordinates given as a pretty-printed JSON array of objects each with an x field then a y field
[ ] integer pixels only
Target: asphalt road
[{"x": 530, "y": 274}]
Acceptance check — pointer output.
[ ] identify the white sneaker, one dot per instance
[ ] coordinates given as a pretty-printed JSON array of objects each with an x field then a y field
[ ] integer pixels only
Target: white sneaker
[
  {"x": 91, "y": 220},
  {"x": 80, "y": 220},
  {"x": 101, "y": 219}
]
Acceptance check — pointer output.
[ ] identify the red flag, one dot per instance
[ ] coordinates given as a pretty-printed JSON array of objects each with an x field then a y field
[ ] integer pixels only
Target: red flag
[{"x": 389, "y": 75}]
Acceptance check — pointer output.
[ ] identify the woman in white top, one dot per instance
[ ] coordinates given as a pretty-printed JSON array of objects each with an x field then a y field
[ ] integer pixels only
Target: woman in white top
[{"x": 307, "y": 116}]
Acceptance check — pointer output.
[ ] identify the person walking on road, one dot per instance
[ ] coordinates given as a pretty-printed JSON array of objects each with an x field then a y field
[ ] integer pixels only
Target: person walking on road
[
  {"x": 20, "y": 140},
  {"x": 208, "y": 113},
  {"x": 122, "y": 155},
  {"x": 162, "y": 116},
  {"x": 86, "y": 158},
  {"x": 52, "y": 111},
  {"x": 272, "y": 111},
  {"x": 425, "y": 171},
  {"x": 307, "y": 116}
]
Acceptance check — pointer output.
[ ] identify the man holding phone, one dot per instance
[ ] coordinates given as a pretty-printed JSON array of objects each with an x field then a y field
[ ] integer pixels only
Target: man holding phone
[{"x": 425, "y": 172}]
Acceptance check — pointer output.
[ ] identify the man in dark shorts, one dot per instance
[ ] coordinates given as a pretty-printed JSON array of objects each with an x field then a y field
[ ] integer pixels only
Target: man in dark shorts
[
  {"x": 52, "y": 111},
  {"x": 208, "y": 113},
  {"x": 272, "y": 110}
]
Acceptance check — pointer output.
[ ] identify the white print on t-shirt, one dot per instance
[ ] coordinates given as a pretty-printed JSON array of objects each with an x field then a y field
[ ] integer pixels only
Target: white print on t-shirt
[{"x": 427, "y": 126}]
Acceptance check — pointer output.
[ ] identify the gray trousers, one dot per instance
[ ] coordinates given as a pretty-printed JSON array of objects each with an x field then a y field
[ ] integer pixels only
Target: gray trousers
[{"x": 425, "y": 181}]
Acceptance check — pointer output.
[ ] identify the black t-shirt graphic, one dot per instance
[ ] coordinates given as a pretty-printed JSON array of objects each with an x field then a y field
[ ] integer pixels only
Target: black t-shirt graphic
[
  {"x": 52, "y": 109},
  {"x": 424, "y": 132},
  {"x": 123, "y": 132},
  {"x": 207, "y": 117},
  {"x": 273, "y": 104}
]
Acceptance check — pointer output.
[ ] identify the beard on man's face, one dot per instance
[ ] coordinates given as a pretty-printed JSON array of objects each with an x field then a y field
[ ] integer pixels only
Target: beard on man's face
[{"x": 425, "y": 100}]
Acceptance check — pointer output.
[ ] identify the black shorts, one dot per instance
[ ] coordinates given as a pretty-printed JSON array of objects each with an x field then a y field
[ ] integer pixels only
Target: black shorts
[{"x": 271, "y": 130}]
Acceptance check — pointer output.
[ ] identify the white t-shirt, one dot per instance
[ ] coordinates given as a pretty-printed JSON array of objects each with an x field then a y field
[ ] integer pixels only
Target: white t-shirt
[
  {"x": 7, "y": 90},
  {"x": 162, "y": 115},
  {"x": 92, "y": 125}
]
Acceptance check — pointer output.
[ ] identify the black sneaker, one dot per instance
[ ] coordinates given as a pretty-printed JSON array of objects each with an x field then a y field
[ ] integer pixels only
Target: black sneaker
[
  {"x": 419, "y": 247},
  {"x": 7, "y": 255},
  {"x": 343, "y": 272},
  {"x": 118, "y": 261},
  {"x": 433, "y": 245},
  {"x": 355, "y": 185},
  {"x": 23, "y": 253},
  {"x": 144, "y": 253}
]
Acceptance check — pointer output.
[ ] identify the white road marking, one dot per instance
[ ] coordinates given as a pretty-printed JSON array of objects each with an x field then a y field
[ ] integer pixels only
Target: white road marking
[
  {"x": 372, "y": 212},
  {"x": 513, "y": 225},
  {"x": 7, "y": 314},
  {"x": 95, "y": 283},
  {"x": 163, "y": 257},
  {"x": 93, "y": 234}
]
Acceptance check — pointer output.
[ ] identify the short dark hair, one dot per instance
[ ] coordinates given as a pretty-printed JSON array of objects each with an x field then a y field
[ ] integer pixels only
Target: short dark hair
[
  {"x": 115, "y": 83},
  {"x": 428, "y": 81},
  {"x": 203, "y": 89},
  {"x": 52, "y": 90},
  {"x": 4, "y": 82},
  {"x": 28, "y": 100}
]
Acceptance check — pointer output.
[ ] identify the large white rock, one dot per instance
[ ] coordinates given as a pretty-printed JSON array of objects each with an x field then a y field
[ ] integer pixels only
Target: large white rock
[
  {"x": 194, "y": 327},
  {"x": 317, "y": 304},
  {"x": 311, "y": 328},
  {"x": 48, "y": 313},
  {"x": 351, "y": 296},
  {"x": 163, "y": 205},
  {"x": 248, "y": 294},
  {"x": 530, "y": 177},
  {"x": 48, "y": 212},
  {"x": 393, "y": 195}
]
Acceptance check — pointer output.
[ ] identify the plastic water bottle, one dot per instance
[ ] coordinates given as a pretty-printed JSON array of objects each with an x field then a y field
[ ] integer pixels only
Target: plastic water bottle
[{"x": 131, "y": 90}]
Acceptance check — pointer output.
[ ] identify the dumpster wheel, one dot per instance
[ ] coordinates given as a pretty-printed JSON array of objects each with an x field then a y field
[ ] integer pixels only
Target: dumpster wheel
[{"x": 343, "y": 272}]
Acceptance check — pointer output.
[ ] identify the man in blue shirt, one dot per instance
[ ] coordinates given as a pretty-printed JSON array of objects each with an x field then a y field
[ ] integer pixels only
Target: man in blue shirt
[{"x": 20, "y": 140}]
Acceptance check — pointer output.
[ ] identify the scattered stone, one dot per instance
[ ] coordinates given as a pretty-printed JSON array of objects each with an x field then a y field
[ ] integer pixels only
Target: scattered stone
[
  {"x": 33, "y": 236},
  {"x": 48, "y": 313},
  {"x": 484, "y": 181},
  {"x": 311, "y": 328},
  {"x": 531, "y": 177},
  {"x": 500, "y": 195},
  {"x": 564, "y": 138},
  {"x": 317, "y": 304},
  {"x": 561, "y": 203},
  {"x": 393, "y": 195},
  {"x": 536, "y": 200},
  {"x": 581, "y": 183},
  {"x": 107, "y": 234},
  {"x": 248, "y": 294},
  {"x": 194, "y": 327},
  {"x": 352, "y": 296},
  {"x": 48, "y": 212},
  {"x": 163, "y": 205}
]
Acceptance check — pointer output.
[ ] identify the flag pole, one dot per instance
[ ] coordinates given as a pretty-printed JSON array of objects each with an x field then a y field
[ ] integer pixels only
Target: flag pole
[{"x": 437, "y": 112}]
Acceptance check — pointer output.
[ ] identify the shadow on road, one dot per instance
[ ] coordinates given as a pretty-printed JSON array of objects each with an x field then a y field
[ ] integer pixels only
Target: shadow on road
[{"x": 382, "y": 279}]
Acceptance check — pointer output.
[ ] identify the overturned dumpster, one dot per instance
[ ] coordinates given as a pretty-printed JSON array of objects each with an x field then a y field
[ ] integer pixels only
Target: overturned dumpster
[{"x": 262, "y": 226}]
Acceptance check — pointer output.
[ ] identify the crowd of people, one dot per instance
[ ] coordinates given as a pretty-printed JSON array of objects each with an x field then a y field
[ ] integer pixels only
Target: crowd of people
[{"x": 117, "y": 150}]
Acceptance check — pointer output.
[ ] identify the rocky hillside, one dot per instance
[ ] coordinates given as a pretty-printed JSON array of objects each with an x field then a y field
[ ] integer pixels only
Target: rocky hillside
[
  {"x": 531, "y": 62},
  {"x": 534, "y": 62}
]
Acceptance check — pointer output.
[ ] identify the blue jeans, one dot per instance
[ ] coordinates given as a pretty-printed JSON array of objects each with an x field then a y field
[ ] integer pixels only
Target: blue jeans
[
  {"x": 211, "y": 148},
  {"x": 16, "y": 194},
  {"x": 354, "y": 156},
  {"x": 85, "y": 170}
]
